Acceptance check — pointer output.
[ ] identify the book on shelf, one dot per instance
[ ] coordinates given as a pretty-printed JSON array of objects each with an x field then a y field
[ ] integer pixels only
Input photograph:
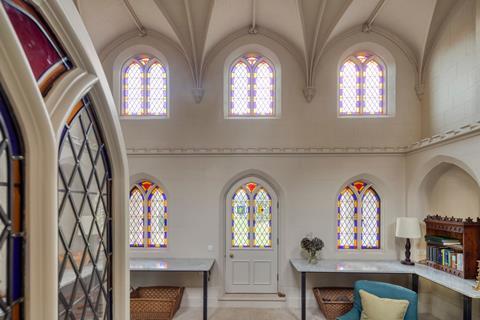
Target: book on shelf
[
  {"x": 441, "y": 240},
  {"x": 445, "y": 256}
]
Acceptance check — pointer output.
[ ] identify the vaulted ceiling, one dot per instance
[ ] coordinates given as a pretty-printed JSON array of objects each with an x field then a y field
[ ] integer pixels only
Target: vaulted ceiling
[{"x": 305, "y": 27}]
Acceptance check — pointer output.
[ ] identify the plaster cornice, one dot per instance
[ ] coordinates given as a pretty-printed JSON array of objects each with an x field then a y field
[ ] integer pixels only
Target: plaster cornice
[{"x": 437, "y": 140}]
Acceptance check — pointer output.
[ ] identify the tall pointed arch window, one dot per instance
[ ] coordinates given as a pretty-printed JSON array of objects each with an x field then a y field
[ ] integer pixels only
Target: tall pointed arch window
[
  {"x": 361, "y": 86},
  {"x": 12, "y": 237},
  {"x": 144, "y": 88},
  {"x": 85, "y": 227},
  {"x": 148, "y": 216},
  {"x": 252, "y": 87},
  {"x": 358, "y": 217},
  {"x": 251, "y": 217},
  {"x": 45, "y": 55}
]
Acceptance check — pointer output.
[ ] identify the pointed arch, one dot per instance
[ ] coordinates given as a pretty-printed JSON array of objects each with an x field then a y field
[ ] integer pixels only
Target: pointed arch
[
  {"x": 136, "y": 208},
  {"x": 144, "y": 89},
  {"x": 358, "y": 216},
  {"x": 151, "y": 215},
  {"x": 361, "y": 84},
  {"x": 85, "y": 227}
]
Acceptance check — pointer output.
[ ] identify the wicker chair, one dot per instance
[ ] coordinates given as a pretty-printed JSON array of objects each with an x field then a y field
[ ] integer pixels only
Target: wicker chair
[{"x": 155, "y": 303}]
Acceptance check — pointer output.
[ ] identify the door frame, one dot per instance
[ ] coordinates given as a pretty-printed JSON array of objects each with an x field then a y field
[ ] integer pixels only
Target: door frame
[{"x": 226, "y": 196}]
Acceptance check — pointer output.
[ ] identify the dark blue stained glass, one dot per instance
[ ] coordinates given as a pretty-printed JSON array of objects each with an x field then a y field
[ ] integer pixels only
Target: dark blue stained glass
[{"x": 12, "y": 241}]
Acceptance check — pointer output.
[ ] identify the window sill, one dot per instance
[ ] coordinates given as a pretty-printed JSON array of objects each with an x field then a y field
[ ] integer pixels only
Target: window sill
[
  {"x": 352, "y": 116},
  {"x": 144, "y": 117},
  {"x": 251, "y": 118}
]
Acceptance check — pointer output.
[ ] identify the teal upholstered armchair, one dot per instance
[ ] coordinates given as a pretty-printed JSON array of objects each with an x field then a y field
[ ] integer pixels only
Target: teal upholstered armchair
[{"x": 382, "y": 290}]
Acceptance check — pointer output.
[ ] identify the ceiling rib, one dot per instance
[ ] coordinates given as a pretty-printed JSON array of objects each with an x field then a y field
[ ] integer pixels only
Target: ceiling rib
[
  {"x": 253, "y": 26},
  {"x": 136, "y": 20},
  {"x": 367, "y": 26}
]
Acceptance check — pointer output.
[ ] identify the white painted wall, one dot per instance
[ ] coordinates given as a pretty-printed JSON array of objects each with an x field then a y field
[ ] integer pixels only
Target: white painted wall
[
  {"x": 307, "y": 188},
  {"x": 451, "y": 76},
  {"x": 445, "y": 179},
  {"x": 301, "y": 123}
]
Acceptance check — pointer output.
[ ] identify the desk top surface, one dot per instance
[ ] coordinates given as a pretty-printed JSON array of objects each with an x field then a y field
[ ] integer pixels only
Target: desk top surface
[
  {"x": 445, "y": 279},
  {"x": 171, "y": 264}
]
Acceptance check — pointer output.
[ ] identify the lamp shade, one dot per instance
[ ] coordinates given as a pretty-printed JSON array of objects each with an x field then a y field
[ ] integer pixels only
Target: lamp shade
[{"x": 408, "y": 227}]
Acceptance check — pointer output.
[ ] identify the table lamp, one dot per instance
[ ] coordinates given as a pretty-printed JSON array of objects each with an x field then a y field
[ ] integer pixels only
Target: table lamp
[{"x": 409, "y": 228}]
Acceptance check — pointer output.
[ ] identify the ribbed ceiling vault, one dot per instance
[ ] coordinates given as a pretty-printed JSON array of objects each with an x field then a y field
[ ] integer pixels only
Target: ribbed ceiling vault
[{"x": 306, "y": 28}]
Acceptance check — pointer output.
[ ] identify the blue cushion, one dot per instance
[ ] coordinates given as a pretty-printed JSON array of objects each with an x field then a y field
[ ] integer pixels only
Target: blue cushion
[{"x": 382, "y": 290}]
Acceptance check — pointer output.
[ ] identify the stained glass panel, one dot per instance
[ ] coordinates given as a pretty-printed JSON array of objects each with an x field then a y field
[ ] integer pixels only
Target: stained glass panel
[
  {"x": 85, "y": 222},
  {"x": 240, "y": 89},
  {"x": 157, "y": 90},
  {"x": 133, "y": 91},
  {"x": 240, "y": 219},
  {"x": 263, "y": 87},
  {"x": 373, "y": 90},
  {"x": 262, "y": 222},
  {"x": 370, "y": 220},
  {"x": 361, "y": 86},
  {"x": 12, "y": 237},
  {"x": 136, "y": 208},
  {"x": 154, "y": 212},
  {"x": 157, "y": 219},
  {"x": 44, "y": 53},
  {"x": 349, "y": 85},
  {"x": 347, "y": 220}
]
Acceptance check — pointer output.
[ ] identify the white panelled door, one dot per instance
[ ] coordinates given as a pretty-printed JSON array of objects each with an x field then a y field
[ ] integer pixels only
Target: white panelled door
[{"x": 251, "y": 238}]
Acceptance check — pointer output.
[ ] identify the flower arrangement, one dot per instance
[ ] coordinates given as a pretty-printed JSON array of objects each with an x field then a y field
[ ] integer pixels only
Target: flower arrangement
[{"x": 311, "y": 246}]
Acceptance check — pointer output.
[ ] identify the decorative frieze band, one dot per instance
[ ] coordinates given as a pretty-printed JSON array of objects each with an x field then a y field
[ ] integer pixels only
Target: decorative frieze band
[{"x": 462, "y": 132}]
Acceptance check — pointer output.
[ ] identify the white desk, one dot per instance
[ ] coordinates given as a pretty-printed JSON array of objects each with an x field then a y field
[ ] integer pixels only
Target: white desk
[
  {"x": 462, "y": 286},
  {"x": 177, "y": 265}
]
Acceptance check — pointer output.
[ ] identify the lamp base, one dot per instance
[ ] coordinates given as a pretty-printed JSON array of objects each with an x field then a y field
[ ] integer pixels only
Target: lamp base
[{"x": 408, "y": 263}]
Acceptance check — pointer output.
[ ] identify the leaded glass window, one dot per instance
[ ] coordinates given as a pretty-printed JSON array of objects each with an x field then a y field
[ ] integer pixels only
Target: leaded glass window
[
  {"x": 84, "y": 219},
  {"x": 251, "y": 87},
  {"x": 361, "y": 85},
  {"x": 148, "y": 216},
  {"x": 358, "y": 216},
  {"x": 251, "y": 217},
  {"x": 144, "y": 87},
  {"x": 44, "y": 53},
  {"x": 12, "y": 237}
]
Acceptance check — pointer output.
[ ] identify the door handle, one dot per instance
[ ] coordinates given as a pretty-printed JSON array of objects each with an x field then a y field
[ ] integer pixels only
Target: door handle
[{"x": 231, "y": 255}]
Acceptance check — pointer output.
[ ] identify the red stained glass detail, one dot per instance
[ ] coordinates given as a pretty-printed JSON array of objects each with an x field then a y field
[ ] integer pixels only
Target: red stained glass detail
[
  {"x": 252, "y": 60},
  {"x": 35, "y": 38},
  {"x": 251, "y": 186},
  {"x": 146, "y": 185},
  {"x": 359, "y": 185}
]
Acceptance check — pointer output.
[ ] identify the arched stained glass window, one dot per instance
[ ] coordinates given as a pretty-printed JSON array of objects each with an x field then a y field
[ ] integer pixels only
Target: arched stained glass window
[
  {"x": 358, "y": 217},
  {"x": 361, "y": 85},
  {"x": 136, "y": 217},
  {"x": 252, "y": 87},
  {"x": 84, "y": 219},
  {"x": 347, "y": 219},
  {"x": 44, "y": 53},
  {"x": 148, "y": 216},
  {"x": 12, "y": 237},
  {"x": 370, "y": 219},
  {"x": 144, "y": 88},
  {"x": 251, "y": 217}
]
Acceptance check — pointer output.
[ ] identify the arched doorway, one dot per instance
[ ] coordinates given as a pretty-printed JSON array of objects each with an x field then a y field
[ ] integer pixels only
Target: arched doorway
[{"x": 251, "y": 237}]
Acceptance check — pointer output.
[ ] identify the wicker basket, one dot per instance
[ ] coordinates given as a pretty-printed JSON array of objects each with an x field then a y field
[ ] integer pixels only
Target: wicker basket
[
  {"x": 334, "y": 302},
  {"x": 155, "y": 303}
]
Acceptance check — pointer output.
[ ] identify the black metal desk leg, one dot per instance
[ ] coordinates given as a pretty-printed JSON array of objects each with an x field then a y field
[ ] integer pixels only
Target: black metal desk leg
[
  {"x": 205, "y": 295},
  {"x": 415, "y": 282},
  {"x": 304, "y": 306},
  {"x": 467, "y": 308}
]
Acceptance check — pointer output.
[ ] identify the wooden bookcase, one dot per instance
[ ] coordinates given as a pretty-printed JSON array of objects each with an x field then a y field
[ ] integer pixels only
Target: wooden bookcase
[{"x": 465, "y": 230}]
